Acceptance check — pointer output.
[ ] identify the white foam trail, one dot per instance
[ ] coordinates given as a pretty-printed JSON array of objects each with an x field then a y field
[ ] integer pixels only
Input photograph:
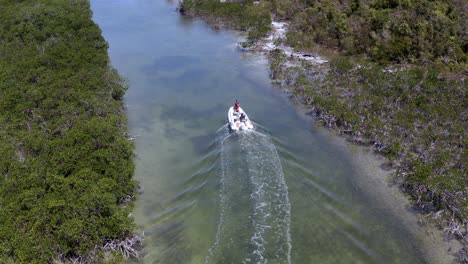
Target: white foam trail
[
  {"x": 267, "y": 206},
  {"x": 219, "y": 227},
  {"x": 223, "y": 127},
  {"x": 270, "y": 197}
]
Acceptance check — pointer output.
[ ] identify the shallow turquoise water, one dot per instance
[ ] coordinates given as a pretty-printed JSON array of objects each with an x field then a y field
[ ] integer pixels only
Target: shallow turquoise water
[{"x": 282, "y": 194}]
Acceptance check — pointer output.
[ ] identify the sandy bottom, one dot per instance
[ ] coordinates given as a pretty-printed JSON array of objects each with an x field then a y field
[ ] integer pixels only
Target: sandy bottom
[{"x": 378, "y": 186}]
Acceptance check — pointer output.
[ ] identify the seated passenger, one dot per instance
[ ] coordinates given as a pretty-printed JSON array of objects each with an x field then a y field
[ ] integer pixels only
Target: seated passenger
[{"x": 242, "y": 117}]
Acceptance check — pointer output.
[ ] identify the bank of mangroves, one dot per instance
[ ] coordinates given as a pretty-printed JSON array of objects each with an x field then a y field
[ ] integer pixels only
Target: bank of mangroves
[
  {"x": 66, "y": 166},
  {"x": 395, "y": 80}
]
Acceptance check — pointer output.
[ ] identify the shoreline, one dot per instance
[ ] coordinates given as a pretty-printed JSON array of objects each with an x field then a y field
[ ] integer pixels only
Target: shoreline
[
  {"x": 377, "y": 184},
  {"x": 377, "y": 181},
  {"x": 270, "y": 43}
]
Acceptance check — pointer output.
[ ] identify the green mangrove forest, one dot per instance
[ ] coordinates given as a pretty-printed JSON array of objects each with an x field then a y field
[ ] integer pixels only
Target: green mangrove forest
[
  {"x": 395, "y": 81},
  {"x": 66, "y": 164}
]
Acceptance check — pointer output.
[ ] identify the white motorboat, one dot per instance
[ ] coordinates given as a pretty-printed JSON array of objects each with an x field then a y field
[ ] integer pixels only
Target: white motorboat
[{"x": 238, "y": 120}]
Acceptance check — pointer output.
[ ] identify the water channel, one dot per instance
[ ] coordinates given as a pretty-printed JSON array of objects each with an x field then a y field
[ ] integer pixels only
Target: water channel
[{"x": 284, "y": 193}]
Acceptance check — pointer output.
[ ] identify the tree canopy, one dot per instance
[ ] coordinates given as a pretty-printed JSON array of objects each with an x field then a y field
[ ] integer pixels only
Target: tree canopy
[
  {"x": 385, "y": 30},
  {"x": 66, "y": 165}
]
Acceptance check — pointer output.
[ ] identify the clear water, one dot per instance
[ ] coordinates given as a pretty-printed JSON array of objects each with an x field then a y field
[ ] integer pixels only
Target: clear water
[{"x": 284, "y": 193}]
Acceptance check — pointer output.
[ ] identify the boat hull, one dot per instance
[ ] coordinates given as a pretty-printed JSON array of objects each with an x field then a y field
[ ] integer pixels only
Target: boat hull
[{"x": 235, "y": 123}]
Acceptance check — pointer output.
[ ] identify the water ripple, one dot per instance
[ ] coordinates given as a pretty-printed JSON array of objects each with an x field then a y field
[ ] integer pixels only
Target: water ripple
[{"x": 254, "y": 209}]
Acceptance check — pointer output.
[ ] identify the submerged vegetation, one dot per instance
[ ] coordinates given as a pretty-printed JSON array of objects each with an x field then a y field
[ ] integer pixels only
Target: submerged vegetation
[
  {"x": 66, "y": 165},
  {"x": 396, "y": 81}
]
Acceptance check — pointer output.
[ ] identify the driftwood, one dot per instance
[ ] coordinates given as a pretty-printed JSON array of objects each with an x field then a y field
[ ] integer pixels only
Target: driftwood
[{"x": 128, "y": 247}]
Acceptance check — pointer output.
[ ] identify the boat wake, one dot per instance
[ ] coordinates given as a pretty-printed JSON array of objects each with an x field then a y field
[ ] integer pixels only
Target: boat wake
[{"x": 254, "y": 209}]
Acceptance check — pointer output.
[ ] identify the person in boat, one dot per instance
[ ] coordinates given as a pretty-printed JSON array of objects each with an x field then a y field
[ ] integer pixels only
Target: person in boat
[
  {"x": 242, "y": 117},
  {"x": 236, "y": 106}
]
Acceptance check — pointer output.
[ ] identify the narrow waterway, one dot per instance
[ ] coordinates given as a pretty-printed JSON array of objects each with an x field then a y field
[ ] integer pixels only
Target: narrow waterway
[{"x": 284, "y": 193}]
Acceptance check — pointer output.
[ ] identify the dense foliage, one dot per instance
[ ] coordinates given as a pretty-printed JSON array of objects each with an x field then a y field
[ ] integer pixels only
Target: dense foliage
[
  {"x": 386, "y": 30},
  {"x": 66, "y": 166}
]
